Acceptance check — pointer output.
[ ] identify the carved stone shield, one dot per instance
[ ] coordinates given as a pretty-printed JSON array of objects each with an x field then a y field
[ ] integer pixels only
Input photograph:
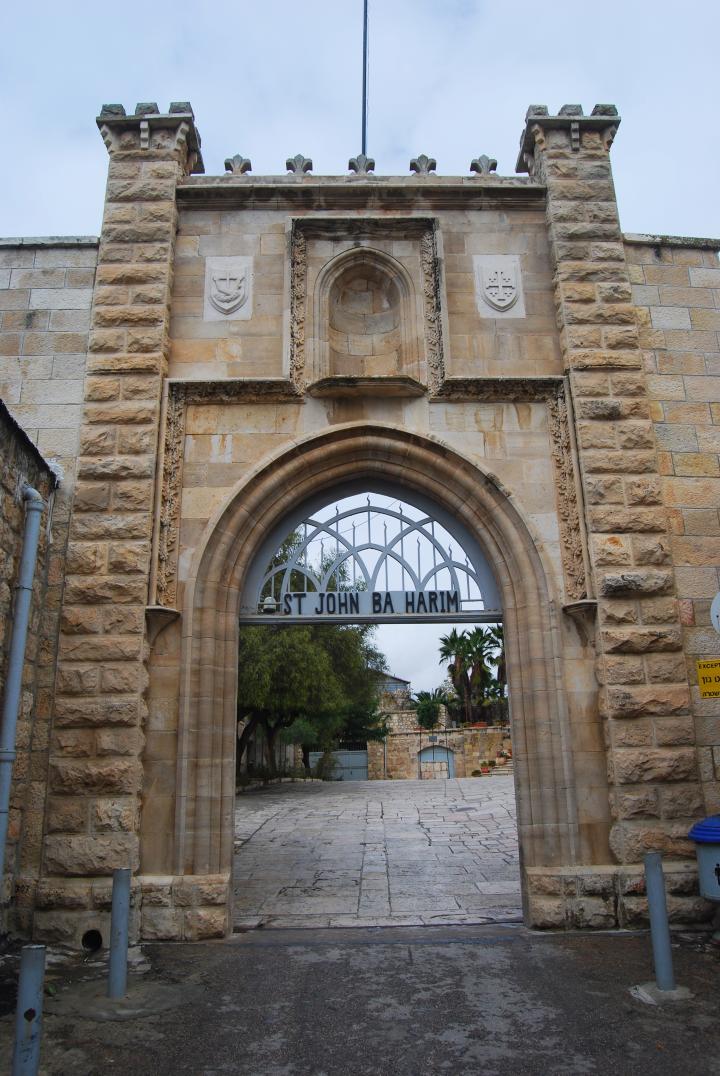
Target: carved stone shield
[
  {"x": 228, "y": 290},
  {"x": 499, "y": 286}
]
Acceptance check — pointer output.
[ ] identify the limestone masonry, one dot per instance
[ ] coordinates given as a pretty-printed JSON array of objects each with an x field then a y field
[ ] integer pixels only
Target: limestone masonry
[{"x": 233, "y": 346}]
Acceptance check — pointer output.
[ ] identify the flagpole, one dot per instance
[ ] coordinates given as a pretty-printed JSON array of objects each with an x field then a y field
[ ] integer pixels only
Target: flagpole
[{"x": 365, "y": 76}]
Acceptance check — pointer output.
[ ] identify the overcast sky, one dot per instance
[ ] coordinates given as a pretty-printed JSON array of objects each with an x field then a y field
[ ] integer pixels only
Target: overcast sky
[{"x": 450, "y": 78}]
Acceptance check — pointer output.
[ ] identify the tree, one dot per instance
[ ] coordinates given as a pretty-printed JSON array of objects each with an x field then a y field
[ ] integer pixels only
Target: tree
[
  {"x": 311, "y": 685},
  {"x": 428, "y": 705},
  {"x": 472, "y": 656}
]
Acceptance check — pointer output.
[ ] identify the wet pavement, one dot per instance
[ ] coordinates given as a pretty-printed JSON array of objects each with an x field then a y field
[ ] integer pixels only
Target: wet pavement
[
  {"x": 377, "y": 853},
  {"x": 498, "y": 1000}
]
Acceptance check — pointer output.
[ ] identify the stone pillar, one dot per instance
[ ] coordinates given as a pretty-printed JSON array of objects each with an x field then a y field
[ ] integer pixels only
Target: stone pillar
[
  {"x": 644, "y": 696},
  {"x": 95, "y": 772}
]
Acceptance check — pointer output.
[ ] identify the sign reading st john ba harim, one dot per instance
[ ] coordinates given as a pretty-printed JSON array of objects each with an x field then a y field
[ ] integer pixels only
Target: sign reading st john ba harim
[{"x": 375, "y": 557}]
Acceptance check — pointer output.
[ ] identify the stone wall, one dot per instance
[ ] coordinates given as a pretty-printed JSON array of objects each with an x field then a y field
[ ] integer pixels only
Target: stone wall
[
  {"x": 676, "y": 287},
  {"x": 397, "y": 757},
  {"x": 21, "y": 464},
  {"x": 46, "y": 288}
]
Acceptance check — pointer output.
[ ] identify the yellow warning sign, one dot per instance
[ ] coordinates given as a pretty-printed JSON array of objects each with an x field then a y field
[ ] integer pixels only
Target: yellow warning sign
[{"x": 708, "y": 673}]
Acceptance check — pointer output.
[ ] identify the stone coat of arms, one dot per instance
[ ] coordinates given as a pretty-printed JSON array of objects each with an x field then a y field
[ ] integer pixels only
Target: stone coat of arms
[
  {"x": 228, "y": 289},
  {"x": 500, "y": 286}
]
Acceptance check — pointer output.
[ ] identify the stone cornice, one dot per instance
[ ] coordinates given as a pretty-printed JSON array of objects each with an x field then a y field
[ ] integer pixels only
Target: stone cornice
[
  {"x": 53, "y": 241},
  {"x": 241, "y": 390},
  {"x": 358, "y": 192},
  {"x": 500, "y": 389},
  {"x": 687, "y": 242}
]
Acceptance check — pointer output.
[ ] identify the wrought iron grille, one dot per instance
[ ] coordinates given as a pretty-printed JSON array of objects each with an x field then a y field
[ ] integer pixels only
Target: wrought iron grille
[{"x": 371, "y": 544}]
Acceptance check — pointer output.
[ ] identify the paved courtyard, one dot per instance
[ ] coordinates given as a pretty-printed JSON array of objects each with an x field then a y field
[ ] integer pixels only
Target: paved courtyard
[{"x": 377, "y": 853}]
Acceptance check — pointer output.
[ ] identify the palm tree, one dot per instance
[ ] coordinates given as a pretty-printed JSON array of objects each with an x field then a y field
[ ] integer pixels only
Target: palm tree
[
  {"x": 454, "y": 649},
  {"x": 471, "y": 655}
]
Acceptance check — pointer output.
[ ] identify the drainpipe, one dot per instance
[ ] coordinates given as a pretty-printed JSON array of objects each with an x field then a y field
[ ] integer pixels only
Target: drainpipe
[{"x": 13, "y": 685}]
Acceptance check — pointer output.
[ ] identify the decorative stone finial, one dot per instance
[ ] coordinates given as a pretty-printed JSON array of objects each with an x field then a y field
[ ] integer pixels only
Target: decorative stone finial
[
  {"x": 298, "y": 164},
  {"x": 147, "y": 108},
  {"x": 112, "y": 110},
  {"x": 571, "y": 110},
  {"x": 483, "y": 165},
  {"x": 361, "y": 164},
  {"x": 423, "y": 165},
  {"x": 238, "y": 165}
]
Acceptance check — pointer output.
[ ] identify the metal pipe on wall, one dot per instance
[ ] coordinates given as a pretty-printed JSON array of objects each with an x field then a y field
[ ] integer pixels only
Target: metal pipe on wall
[{"x": 16, "y": 660}]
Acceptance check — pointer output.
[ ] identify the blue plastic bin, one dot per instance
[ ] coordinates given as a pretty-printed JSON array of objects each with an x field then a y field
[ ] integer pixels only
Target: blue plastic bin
[{"x": 706, "y": 835}]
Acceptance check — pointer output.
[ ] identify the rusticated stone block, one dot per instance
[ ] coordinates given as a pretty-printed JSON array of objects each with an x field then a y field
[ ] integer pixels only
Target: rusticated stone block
[
  {"x": 622, "y": 584},
  {"x": 597, "y": 884},
  {"x": 674, "y": 731},
  {"x": 614, "y": 519},
  {"x": 83, "y": 777},
  {"x": 641, "y": 640},
  {"x": 194, "y": 893},
  {"x": 655, "y": 764},
  {"x": 665, "y": 668},
  {"x": 52, "y": 894},
  {"x": 78, "y": 743},
  {"x": 647, "y": 701},
  {"x": 76, "y": 681},
  {"x": 161, "y": 924},
  {"x": 643, "y": 803},
  {"x": 118, "y": 741},
  {"x": 546, "y": 913},
  {"x": 100, "y": 648},
  {"x": 592, "y": 913},
  {"x": 77, "y": 713},
  {"x": 624, "y": 670},
  {"x": 105, "y": 589},
  {"x": 682, "y": 802},
  {"x": 611, "y": 549},
  {"x": 118, "y": 467},
  {"x": 651, "y": 550},
  {"x": 55, "y": 928},
  {"x": 696, "y": 909},
  {"x": 630, "y": 840},
  {"x": 659, "y": 610},
  {"x": 66, "y": 815},
  {"x": 90, "y": 856},
  {"x": 115, "y": 816},
  {"x": 202, "y": 923}
]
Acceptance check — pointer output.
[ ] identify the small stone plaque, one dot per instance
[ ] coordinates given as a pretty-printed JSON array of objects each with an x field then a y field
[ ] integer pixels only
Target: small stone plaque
[
  {"x": 228, "y": 289},
  {"x": 498, "y": 286}
]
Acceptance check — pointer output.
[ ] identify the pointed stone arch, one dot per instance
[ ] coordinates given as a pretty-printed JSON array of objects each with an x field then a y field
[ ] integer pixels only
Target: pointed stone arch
[{"x": 543, "y": 756}]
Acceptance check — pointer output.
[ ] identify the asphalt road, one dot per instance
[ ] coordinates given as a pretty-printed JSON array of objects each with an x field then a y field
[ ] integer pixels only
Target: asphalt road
[{"x": 495, "y": 1000}]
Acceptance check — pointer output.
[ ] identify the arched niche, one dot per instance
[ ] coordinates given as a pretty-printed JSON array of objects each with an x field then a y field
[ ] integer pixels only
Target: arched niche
[
  {"x": 366, "y": 320},
  {"x": 544, "y": 764}
]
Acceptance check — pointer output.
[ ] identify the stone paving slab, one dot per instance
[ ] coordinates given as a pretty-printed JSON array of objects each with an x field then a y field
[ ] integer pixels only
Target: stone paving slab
[{"x": 377, "y": 853}]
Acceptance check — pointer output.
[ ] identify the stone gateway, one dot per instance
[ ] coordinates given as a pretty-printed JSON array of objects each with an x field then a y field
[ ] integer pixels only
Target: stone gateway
[{"x": 235, "y": 346}]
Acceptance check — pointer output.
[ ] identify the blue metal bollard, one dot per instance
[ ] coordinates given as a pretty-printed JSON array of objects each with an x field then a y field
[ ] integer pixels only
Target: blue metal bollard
[
  {"x": 28, "y": 1016},
  {"x": 119, "y": 918},
  {"x": 659, "y": 928}
]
